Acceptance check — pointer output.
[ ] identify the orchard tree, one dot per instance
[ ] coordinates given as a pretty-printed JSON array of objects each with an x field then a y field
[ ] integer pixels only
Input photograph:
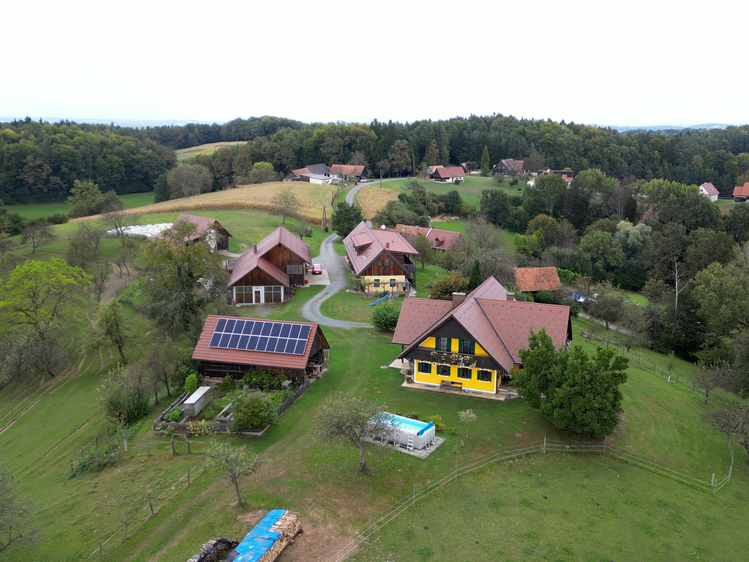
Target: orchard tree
[
  {"x": 17, "y": 530},
  {"x": 285, "y": 204},
  {"x": 37, "y": 233},
  {"x": 235, "y": 462},
  {"x": 444, "y": 287},
  {"x": 350, "y": 420},
  {"x": 111, "y": 328},
  {"x": 576, "y": 392}
]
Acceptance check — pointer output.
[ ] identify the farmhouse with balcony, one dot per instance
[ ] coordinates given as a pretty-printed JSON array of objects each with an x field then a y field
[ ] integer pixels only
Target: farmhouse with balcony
[
  {"x": 236, "y": 346},
  {"x": 266, "y": 272},
  {"x": 471, "y": 343},
  {"x": 444, "y": 240},
  {"x": 383, "y": 258},
  {"x": 206, "y": 229},
  {"x": 508, "y": 166},
  {"x": 344, "y": 171}
]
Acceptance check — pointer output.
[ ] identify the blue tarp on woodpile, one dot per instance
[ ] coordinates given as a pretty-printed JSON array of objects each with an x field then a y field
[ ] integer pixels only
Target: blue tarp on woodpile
[{"x": 260, "y": 539}]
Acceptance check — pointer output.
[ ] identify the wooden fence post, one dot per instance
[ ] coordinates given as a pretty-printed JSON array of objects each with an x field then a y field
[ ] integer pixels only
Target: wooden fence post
[
  {"x": 189, "y": 449},
  {"x": 150, "y": 504},
  {"x": 124, "y": 443},
  {"x": 101, "y": 552},
  {"x": 119, "y": 454},
  {"x": 173, "y": 451},
  {"x": 71, "y": 465},
  {"x": 544, "y": 449}
]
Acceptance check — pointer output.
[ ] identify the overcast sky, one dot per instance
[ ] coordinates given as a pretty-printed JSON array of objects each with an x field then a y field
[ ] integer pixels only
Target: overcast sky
[{"x": 638, "y": 62}]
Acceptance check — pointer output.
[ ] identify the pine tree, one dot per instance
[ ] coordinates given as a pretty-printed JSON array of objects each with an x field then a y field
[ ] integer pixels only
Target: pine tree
[
  {"x": 476, "y": 278},
  {"x": 485, "y": 162}
]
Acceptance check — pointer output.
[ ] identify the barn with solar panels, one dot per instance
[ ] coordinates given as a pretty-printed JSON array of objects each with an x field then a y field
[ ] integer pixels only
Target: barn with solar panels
[{"x": 236, "y": 346}]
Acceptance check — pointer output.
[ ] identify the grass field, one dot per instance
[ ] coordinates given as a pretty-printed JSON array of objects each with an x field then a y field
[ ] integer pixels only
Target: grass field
[
  {"x": 470, "y": 190},
  {"x": 210, "y": 148},
  {"x": 32, "y": 211},
  {"x": 598, "y": 508},
  {"x": 311, "y": 198}
]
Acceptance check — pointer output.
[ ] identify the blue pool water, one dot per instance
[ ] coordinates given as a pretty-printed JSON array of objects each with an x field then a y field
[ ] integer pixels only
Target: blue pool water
[{"x": 407, "y": 424}]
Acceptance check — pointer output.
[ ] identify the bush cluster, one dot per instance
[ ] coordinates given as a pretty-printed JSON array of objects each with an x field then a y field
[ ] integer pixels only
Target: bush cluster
[
  {"x": 263, "y": 380},
  {"x": 253, "y": 410}
]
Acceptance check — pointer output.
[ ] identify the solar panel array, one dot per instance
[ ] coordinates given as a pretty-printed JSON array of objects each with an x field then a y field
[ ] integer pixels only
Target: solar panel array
[{"x": 259, "y": 335}]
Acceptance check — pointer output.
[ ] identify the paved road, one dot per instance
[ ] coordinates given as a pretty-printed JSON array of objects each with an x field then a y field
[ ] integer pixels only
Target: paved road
[{"x": 336, "y": 267}]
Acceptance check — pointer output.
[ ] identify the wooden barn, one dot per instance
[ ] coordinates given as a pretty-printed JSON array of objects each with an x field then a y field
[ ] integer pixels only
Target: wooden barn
[
  {"x": 234, "y": 346},
  {"x": 265, "y": 273},
  {"x": 207, "y": 229}
]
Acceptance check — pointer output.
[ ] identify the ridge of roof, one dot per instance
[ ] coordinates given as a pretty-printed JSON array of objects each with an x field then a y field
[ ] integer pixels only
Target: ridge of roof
[
  {"x": 360, "y": 262},
  {"x": 249, "y": 259}
]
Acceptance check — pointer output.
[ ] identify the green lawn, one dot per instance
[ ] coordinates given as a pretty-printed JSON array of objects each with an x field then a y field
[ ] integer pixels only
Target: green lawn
[
  {"x": 353, "y": 306},
  {"x": 32, "y": 211},
  {"x": 598, "y": 508},
  {"x": 470, "y": 190}
]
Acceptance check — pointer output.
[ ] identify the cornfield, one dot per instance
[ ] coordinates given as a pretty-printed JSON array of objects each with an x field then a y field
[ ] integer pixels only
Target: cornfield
[
  {"x": 311, "y": 199},
  {"x": 373, "y": 198}
]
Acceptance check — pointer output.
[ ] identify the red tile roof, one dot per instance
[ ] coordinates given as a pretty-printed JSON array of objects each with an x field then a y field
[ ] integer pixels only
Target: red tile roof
[
  {"x": 450, "y": 172},
  {"x": 532, "y": 279},
  {"x": 361, "y": 254},
  {"x": 441, "y": 239},
  {"x": 710, "y": 189},
  {"x": 741, "y": 190},
  {"x": 347, "y": 170},
  {"x": 500, "y": 326},
  {"x": 203, "y": 351},
  {"x": 253, "y": 258}
]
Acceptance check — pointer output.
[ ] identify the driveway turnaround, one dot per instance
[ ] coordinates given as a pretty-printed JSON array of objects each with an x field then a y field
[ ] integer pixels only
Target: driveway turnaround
[{"x": 336, "y": 268}]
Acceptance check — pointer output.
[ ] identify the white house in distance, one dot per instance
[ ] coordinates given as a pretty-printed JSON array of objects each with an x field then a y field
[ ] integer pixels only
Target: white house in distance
[{"x": 708, "y": 190}]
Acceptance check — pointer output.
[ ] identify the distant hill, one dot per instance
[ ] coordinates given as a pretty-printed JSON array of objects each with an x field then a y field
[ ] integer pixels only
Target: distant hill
[
  {"x": 121, "y": 122},
  {"x": 624, "y": 129}
]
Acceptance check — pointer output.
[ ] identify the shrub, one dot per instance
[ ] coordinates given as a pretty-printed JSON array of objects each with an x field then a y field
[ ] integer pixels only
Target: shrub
[
  {"x": 385, "y": 317},
  {"x": 125, "y": 396},
  {"x": 227, "y": 385},
  {"x": 263, "y": 380},
  {"x": 547, "y": 297},
  {"x": 439, "y": 423},
  {"x": 57, "y": 218},
  {"x": 254, "y": 409},
  {"x": 191, "y": 383},
  {"x": 451, "y": 430},
  {"x": 413, "y": 416},
  {"x": 174, "y": 415}
]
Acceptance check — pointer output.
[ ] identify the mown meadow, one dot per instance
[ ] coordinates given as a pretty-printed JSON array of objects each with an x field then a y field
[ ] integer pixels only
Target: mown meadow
[{"x": 561, "y": 506}]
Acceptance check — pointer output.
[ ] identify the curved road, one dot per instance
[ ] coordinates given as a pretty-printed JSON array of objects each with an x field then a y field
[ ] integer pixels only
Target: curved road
[{"x": 336, "y": 266}]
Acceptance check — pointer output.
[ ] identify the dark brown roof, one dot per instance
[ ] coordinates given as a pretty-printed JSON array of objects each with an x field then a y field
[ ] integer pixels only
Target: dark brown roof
[
  {"x": 441, "y": 239},
  {"x": 532, "y": 279},
  {"x": 251, "y": 259},
  {"x": 450, "y": 172},
  {"x": 417, "y": 313},
  {"x": 741, "y": 190},
  {"x": 203, "y": 352},
  {"x": 364, "y": 245},
  {"x": 500, "y": 326}
]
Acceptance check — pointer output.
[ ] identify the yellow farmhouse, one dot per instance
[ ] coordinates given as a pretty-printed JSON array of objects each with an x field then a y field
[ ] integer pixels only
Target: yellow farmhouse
[{"x": 471, "y": 343}]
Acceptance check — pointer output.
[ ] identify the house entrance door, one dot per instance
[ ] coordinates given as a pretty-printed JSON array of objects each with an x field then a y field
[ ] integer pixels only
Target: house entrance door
[{"x": 258, "y": 296}]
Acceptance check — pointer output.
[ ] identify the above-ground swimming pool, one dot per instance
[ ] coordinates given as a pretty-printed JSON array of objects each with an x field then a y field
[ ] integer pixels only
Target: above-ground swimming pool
[{"x": 421, "y": 433}]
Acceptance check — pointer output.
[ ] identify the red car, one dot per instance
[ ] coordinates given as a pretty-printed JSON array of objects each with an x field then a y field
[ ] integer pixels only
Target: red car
[{"x": 316, "y": 269}]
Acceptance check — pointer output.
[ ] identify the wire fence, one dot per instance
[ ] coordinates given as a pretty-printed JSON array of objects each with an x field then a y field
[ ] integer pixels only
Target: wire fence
[{"x": 508, "y": 453}]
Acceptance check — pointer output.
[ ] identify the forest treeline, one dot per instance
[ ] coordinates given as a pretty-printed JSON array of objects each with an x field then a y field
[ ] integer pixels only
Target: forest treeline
[{"x": 40, "y": 161}]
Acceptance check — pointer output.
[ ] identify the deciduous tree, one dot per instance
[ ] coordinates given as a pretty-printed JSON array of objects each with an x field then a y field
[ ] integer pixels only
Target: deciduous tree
[
  {"x": 444, "y": 287},
  {"x": 426, "y": 253},
  {"x": 285, "y": 204},
  {"x": 187, "y": 180},
  {"x": 351, "y": 420},
  {"x": 173, "y": 269},
  {"x": 235, "y": 462},
  {"x": 17, "y": 529},
  {"x": 37, "y": 233},
  {"x": 111, "y": 328}
]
